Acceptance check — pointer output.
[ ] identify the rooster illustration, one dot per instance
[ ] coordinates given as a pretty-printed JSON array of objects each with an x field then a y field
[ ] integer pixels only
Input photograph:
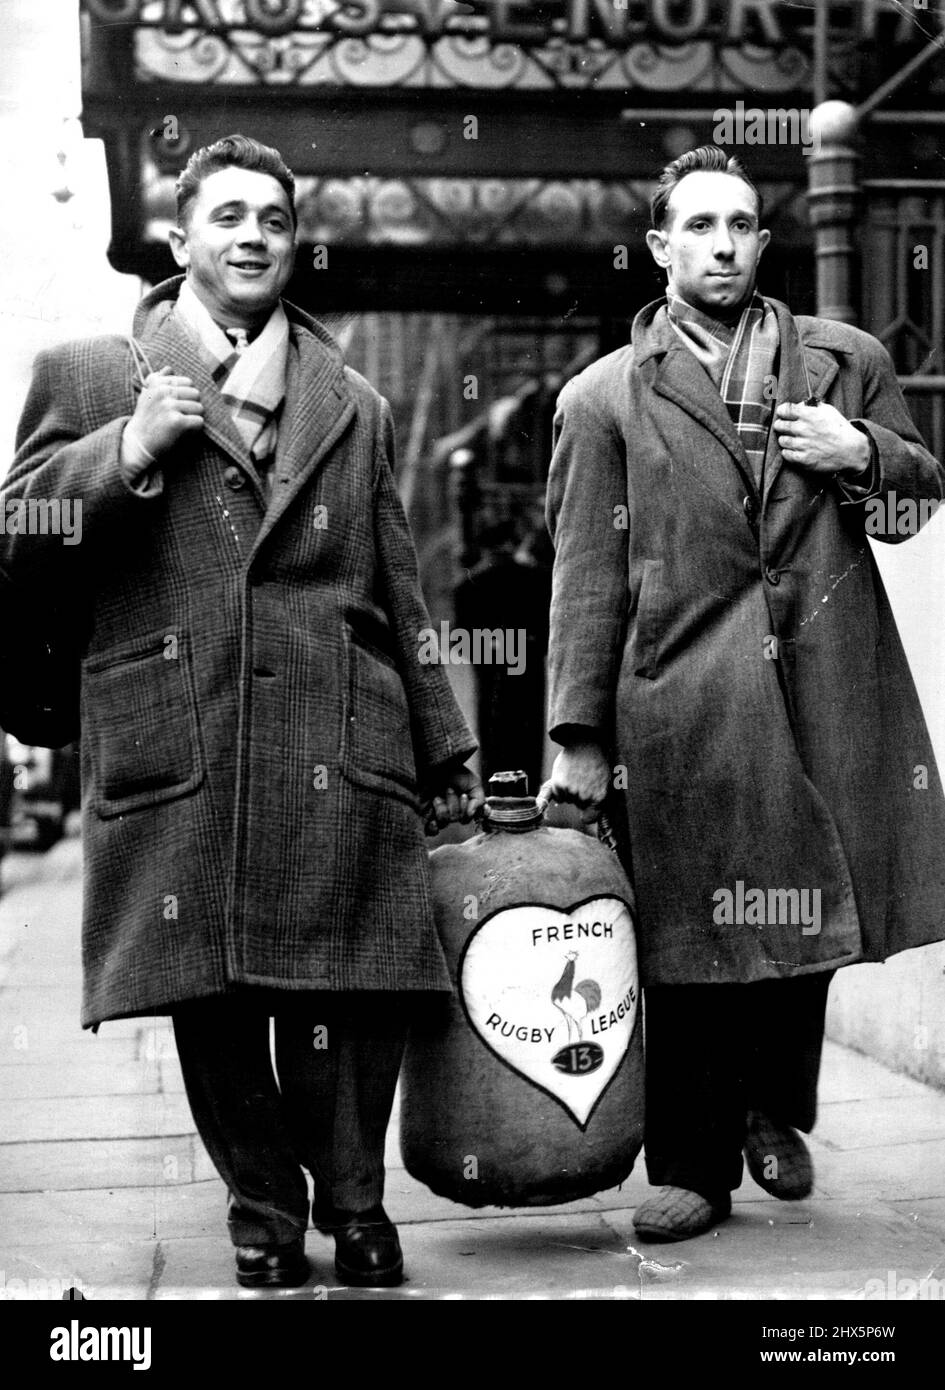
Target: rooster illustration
[{"x": 575, "y": 1001}]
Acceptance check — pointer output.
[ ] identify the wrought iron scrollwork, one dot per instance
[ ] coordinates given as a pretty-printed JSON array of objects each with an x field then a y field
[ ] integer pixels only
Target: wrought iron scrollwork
[
  {"x": 594, "y": 214},
  {"x": 363, "y": 43}
]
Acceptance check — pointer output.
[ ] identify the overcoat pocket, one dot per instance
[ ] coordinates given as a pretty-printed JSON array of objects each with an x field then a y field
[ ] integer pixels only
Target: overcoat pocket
[
  {"x": 140, "y": 724},
  {"x": 378, "y": 751},
  {"x": 650, "y": 617}
]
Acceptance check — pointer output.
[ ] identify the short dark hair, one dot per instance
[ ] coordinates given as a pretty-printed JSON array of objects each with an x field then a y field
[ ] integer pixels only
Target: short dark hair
[
  {"x": 708, "y": 159},
  {"x": 233, "y": 151}
]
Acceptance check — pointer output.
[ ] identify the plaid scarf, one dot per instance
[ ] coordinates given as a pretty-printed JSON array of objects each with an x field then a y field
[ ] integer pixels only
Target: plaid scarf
[
  {"x": 739, "y": 358},
  {"x": 251, "y": 381}
]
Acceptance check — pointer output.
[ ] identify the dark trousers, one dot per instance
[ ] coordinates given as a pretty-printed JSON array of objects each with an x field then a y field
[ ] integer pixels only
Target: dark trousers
[
  {"x": 326, "y": 1108},
  {"x": 714, "y": 1052}
]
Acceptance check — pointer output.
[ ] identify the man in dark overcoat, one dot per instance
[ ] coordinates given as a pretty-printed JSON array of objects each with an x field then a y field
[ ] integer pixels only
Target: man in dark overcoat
[
  {"x": 260, "y": 741},
  {"x": 723, "y": 653}
]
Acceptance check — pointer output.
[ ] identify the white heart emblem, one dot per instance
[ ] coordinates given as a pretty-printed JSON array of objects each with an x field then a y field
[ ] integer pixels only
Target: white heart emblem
[{"x": 554, "y": 995}]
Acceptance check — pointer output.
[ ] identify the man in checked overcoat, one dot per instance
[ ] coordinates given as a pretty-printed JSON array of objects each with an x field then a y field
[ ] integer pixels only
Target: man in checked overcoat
[
  {"x": 724, "y": 661},
  {"x": 260, "y": 743}
]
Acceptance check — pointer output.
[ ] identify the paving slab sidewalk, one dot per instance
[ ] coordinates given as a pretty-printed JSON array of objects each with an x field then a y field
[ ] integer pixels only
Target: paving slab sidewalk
[{"x": 105, "y": 1187}]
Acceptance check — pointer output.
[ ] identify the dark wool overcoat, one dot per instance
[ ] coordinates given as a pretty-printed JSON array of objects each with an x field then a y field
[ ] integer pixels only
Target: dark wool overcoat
[
  {"x": 254, "y": 715},
  {"x": 801, "y": 764}
]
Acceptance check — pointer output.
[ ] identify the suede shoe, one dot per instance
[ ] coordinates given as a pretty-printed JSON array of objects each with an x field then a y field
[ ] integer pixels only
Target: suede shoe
[
  {"x": 778, "y": 1158},
  {"x": 675, "y": 1213},
  {"x": 272, "y": 1266},
  {"x": 367, "y": 1249}
]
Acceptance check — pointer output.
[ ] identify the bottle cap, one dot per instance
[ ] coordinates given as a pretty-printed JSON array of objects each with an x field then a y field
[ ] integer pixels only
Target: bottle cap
[
  {"x": 508, "y": 804},
  {"x": 508, "y": 784}
]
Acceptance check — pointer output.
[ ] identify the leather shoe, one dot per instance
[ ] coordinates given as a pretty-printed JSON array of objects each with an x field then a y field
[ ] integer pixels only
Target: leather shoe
[
  {"x": 778, "y": 1158},
  {"x": 272, "y": 1266},
  {"x": 367, "y": 1249},
  {"x": 675, "y": 1213}
]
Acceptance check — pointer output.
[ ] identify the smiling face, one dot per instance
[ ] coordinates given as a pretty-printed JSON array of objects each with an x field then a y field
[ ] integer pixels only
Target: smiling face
[
  {"x": 238, "y": 245},
  {"x": 710, "y": 243}
]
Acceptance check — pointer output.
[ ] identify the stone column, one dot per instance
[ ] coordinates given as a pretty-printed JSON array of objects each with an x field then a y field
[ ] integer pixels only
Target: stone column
[{"x": 833, "y": 194}]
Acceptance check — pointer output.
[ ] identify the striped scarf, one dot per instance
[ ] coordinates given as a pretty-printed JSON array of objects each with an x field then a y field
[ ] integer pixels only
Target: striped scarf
[
  {"x": 251, "y": 380},
  {"x": 741, "y": 359}
]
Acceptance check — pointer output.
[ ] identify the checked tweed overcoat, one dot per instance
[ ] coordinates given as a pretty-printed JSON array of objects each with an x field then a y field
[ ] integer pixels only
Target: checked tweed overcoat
[
  {"x": 254, "y": 715},
  {"x": 811, "y": 771}
]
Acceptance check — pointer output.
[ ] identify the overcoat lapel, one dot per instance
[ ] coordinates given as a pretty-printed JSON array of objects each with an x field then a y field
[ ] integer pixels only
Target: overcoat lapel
[
  {"x": 318, "y": 409},
  {"x": 318, "y": 404},
  {"x": 168, "y": 344},
  {"x": 681, "y": 379},
  {"x": 795, "y": 385}
]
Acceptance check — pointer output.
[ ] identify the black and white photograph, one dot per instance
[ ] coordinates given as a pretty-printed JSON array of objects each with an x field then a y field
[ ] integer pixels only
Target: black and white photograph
[{"x": 472, "y": 677}]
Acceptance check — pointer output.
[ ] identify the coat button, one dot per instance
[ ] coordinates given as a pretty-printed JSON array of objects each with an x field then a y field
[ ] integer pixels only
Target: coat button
[
  {"x": 773, "y": 576},
  {"x": 233, "y": 477}
]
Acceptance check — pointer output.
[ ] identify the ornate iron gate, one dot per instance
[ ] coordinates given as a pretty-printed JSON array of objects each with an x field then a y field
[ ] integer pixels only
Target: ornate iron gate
[{"x": 903, "y": 290}]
